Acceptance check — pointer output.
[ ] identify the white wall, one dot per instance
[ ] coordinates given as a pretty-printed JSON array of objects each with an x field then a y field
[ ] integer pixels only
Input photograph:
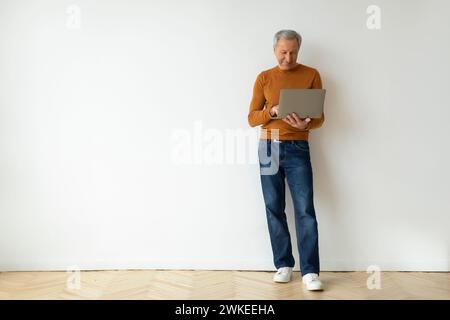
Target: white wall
[{"x": 87, "y": 118}]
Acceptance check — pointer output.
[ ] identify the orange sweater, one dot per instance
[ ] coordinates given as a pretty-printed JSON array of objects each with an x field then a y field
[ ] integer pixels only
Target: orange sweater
[{"x": 266, "y": 92}]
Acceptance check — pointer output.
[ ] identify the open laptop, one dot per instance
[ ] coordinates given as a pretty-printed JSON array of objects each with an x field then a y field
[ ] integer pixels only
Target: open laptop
[{"x": 306, "y": 103}]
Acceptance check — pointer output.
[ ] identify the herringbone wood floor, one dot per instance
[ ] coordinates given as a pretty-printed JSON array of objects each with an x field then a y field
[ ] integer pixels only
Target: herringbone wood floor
[{"x": 189, "y": 284}]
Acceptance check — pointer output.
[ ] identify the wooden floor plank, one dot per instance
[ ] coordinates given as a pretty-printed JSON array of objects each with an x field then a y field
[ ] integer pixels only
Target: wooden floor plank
[{"x": 226, "y": 285}]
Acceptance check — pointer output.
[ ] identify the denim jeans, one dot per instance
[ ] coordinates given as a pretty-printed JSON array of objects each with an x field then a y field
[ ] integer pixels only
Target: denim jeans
[{"x": 292, "y": 161}]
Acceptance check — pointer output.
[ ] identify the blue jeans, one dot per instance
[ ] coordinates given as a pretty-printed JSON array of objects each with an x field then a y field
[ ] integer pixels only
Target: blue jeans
[{"x": 292, "y": 161}]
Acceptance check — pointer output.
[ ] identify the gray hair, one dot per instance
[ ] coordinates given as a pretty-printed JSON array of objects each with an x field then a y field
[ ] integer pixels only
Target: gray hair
[{"x": 287, "y": 35}]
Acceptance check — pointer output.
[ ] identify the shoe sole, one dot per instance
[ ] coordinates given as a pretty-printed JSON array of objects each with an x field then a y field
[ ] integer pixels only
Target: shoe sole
[
  {"x": 314, "y": 289},
  {"x": 280, "y": 281},
  {"x": 283, "y": 281}
]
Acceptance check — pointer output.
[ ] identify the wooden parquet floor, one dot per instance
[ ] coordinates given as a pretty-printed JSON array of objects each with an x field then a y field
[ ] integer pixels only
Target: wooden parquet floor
[{"x": 228, "y": 285}]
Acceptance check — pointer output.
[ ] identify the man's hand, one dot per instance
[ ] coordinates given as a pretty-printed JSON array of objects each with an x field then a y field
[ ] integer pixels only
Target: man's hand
[
  {"x": 294, "y": 120},
  {"x": 274, "y": 111}
]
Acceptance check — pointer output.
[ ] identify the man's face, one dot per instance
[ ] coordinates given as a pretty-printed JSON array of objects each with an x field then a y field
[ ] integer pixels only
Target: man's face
[{"x": 286, "y": 53}]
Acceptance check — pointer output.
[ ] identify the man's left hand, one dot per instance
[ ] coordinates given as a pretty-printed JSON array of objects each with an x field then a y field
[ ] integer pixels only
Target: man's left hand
[{"x": 294, "y": 120}]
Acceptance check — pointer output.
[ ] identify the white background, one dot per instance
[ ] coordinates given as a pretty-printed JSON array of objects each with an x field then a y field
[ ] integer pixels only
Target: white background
[{"x": 87, "y": 118}]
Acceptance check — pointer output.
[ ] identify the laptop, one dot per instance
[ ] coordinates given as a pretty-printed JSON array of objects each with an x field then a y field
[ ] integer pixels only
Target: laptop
[{"x": 306, "y": 103}]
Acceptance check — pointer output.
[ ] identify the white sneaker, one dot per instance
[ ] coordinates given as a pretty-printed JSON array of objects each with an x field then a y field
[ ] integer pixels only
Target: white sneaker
[
  {"x": 312, "y": 282},
  {"x": 283, "y": 274}
]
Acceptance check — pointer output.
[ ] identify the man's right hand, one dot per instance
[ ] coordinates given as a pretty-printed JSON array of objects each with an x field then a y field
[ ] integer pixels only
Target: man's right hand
[{"x": 274, "y": 111}]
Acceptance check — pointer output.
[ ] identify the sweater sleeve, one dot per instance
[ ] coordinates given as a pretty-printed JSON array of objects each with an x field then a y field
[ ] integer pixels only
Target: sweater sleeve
[
  {"x": 316, "y": 122},
  {"x": 258, "y": 113}
]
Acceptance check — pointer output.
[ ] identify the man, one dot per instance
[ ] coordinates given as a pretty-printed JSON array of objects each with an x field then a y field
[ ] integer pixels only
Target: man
[{"x": 285, "y": 143}]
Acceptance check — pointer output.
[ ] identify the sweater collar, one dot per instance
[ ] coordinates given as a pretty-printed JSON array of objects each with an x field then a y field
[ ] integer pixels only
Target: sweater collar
[{"x": 288, "y": 71}]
